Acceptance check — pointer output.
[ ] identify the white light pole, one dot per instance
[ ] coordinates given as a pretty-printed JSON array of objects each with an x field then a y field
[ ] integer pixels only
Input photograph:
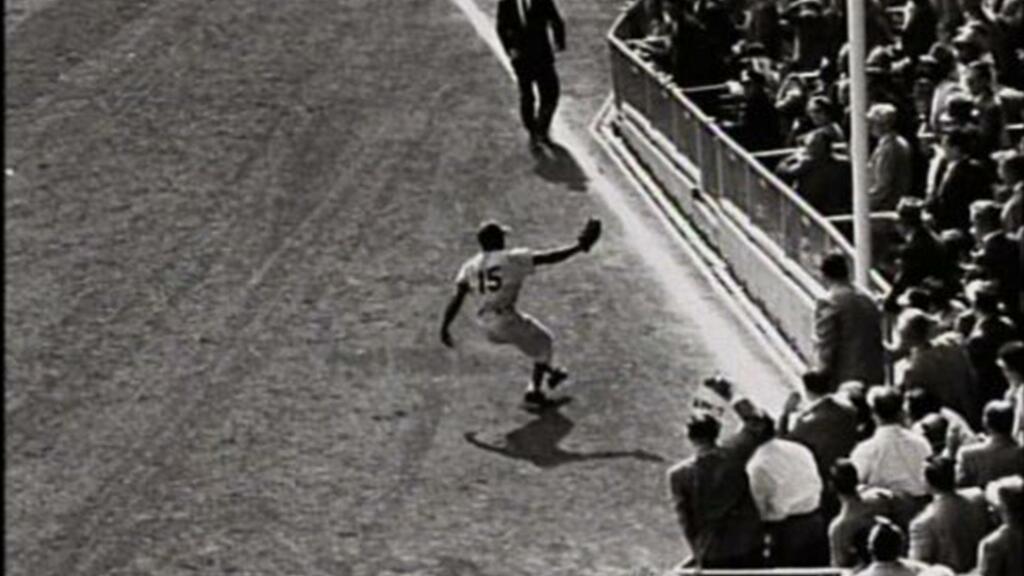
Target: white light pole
[{"x": 855, "y": 23}]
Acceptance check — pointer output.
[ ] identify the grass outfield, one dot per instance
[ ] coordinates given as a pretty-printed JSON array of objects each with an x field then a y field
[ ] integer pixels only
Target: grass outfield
[{"x": 231, "y": 228}]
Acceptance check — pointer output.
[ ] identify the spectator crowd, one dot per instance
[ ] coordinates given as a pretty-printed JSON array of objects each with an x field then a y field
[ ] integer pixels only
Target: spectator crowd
[
  {"x": 898, "y": 455},
  {"x": 903, "y": 453},
  {"x": 946, "y": 115}
]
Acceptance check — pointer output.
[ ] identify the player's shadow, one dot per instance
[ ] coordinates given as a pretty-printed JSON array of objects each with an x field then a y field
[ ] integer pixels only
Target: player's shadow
[
  {"x": 537, "y": 442},
  {"x": 555, "y": 163}
]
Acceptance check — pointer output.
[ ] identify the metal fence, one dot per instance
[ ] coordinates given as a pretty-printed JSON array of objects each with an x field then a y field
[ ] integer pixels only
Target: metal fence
[{"x": 726, "y": 173}]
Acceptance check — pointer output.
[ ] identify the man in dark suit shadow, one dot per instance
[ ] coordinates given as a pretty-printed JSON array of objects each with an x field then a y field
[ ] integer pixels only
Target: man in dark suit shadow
[
  {"x": 523, "y": 27},
  {"x": 537, "y": 442},
  {"x": 557, "y": 164}
]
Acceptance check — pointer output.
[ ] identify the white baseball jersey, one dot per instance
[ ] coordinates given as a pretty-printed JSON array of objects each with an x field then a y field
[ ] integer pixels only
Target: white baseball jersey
[{"x": 496, "y": 277}]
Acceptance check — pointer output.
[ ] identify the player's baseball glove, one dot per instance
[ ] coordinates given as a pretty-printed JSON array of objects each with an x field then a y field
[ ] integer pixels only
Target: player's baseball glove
[{"x": 590, "y": 234}]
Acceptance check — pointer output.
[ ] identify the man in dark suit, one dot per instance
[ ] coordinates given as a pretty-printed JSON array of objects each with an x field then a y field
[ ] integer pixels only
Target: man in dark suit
[
  {"x": 523, "y": 27},
  {"x": 711, "y": 493},
  {"x": 847, "y": 328},
  {"x": 964, "y": 181},
  {"x": 921, "y": 254},
  {"x": 825, "y": 424}
]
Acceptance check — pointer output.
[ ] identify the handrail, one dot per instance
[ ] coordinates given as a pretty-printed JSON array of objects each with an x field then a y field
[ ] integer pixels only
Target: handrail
[{"x": 720, "y": 141}]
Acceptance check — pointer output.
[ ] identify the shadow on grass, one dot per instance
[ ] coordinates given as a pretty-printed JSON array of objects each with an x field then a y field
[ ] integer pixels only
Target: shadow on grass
[
  {"x": 555, "y": 163},
  {"x": 537, "y": 442}
]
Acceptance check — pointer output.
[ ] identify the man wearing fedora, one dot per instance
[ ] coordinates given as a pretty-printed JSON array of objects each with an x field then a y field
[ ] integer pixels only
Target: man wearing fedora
[{"x": 525, "y": 28}]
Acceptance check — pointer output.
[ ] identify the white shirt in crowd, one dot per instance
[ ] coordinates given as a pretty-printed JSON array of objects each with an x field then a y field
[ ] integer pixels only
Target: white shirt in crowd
[
  {"x": 784, "y": 480},
  {"x": 893, "y": 458}
]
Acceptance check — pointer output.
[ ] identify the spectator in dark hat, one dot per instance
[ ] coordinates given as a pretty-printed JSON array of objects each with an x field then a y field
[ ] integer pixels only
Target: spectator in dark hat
[
  {"x": 949, "y": 530},
  {"x": 996, "y": 455}
]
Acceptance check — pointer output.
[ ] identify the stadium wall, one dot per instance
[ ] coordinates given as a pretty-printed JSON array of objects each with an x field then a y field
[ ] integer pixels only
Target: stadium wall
[{"x": 769, "y": 238}]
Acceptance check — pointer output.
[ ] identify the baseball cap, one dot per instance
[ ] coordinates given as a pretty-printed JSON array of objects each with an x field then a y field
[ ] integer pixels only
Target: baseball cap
[{"x": 491, "y": 230}]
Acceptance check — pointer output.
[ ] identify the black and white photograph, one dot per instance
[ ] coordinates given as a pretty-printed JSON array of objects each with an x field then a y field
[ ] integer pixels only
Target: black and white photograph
[{"x": 514, "y": 288}]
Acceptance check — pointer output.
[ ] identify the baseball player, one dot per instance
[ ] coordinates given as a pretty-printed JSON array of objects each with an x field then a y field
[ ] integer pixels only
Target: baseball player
[{"x": 495, "y": 276}]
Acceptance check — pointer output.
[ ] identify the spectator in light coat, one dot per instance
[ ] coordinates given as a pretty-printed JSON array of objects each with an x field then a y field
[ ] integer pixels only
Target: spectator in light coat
[
  {"x": 948, "y": 531},
  {"x": 891, "y": 166},
  {"x": 997, "y": 455},
  {"x": 847, "y": 328},
  {"x": 999, "y": 554}
]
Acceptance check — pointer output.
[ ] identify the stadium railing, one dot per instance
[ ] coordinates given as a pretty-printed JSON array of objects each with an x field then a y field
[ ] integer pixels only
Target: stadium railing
[{"x": 770, "y": 237}]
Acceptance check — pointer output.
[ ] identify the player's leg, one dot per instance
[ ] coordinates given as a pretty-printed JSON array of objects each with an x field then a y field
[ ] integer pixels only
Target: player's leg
[{"x": 535, "y": 340}]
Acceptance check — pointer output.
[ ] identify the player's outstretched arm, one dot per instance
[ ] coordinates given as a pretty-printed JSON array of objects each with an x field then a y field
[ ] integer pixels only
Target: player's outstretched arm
[
  {"x": 451, "y": 311},
  {"x": 557, "y": 255},
  {"x": 588, "y": 236}
]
